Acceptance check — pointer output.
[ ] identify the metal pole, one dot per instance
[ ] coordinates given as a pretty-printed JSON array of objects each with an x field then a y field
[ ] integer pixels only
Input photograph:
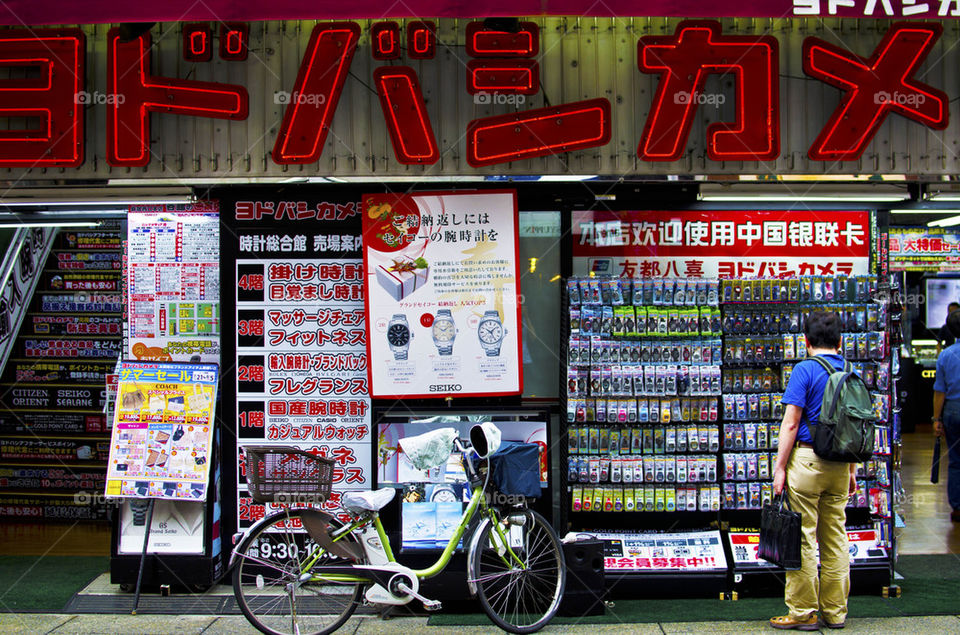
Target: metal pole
[{"x": 143, "y": 555}]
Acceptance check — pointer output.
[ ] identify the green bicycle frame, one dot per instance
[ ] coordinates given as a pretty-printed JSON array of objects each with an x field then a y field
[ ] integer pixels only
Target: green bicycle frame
[{"x": 477, "y": 500}]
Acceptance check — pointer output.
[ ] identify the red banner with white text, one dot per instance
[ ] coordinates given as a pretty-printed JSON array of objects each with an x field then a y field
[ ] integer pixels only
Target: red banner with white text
[{"x": 721, "y": 244}]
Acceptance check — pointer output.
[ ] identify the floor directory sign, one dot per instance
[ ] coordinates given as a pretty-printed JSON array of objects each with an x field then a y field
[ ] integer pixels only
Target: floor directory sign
[
  {"x": 173, "y": 280},
  {"x": 442, "y": 288},
  {"x": 163, "y": 431}
]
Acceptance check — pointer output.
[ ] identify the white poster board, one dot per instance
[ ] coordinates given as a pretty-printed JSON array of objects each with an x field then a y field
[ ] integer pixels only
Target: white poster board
[
  {"x": 173, "y": 282},
  {"x": 442, "y": 294}
]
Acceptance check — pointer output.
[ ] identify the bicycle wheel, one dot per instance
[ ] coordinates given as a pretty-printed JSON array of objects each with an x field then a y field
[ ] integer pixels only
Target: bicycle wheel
[
  {"x": 266, "y": 581},
  {"x": 521, "y": 594}
]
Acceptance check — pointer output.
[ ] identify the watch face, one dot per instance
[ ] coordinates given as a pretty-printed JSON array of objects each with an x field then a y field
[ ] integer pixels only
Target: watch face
[
  {"x": 490, "y": 332},
  {"x": 398, "y": 335},
  {"x": 444, "y": 495},
  {"x": 444, "y": 330}
]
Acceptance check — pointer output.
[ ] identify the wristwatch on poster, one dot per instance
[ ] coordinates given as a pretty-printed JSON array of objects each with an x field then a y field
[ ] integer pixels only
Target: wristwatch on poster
[
  {"x": 444, "y": 331},
  {"x": 398, "y": 336},
  {"x": 491, "y": 332},
  {"x": 444, "y": 494}
]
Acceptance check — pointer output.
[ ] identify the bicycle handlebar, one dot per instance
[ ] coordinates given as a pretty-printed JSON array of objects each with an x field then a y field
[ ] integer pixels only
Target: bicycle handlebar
[{"x": 466, "y": 450}]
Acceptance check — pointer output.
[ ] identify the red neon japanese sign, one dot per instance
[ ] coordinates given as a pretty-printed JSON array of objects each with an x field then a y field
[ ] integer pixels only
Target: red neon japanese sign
[
  {"x": 421, "y": 40},
  {"x": 233, "y": 41},
  {"x": 385, "y": 40},
  {"x": 538, "y": 132},
  {"x": 316, "y": 92},
  {"x": 683, "y": 60},
  {"x": 485, "y": 43},
  {"x": 55, "y": 100},
  {"x": 406, "y": 115},
  {"x": 136, "y": 93},
  {"x": 504, "y": 69},
  {"x": 875, "y": 87},
  {"x": 514, "y": 76},
  {"x": 197, "y": 42}
]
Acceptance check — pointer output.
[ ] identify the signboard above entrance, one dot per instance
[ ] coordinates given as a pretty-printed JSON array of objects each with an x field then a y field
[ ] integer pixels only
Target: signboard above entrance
[
  {"x": 36, "y": 12},
  {"x": 444, "y": 97}
]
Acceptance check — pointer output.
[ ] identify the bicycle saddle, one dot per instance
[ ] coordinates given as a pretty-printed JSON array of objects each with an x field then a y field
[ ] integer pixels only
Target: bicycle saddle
[{"x": 367, "y": 501}]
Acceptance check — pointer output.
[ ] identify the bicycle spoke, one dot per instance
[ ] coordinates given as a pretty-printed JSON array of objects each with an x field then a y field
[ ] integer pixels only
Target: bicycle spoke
[
  {"x": 520, "y": 591},
  {"x": 268, "y": 587}
]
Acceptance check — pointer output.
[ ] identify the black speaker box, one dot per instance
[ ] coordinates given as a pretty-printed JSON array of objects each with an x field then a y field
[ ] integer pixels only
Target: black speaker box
[{"x": 584, "y": 592}]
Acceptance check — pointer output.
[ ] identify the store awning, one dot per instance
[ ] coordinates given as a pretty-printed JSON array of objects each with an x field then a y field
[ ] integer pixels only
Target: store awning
[{"x": 39, "y": 12}]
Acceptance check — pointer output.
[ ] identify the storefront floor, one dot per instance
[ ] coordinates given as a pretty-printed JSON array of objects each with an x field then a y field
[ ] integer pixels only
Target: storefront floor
[
  {"x": 211, "y": 625},
  {"x": 926, "y": 511}
]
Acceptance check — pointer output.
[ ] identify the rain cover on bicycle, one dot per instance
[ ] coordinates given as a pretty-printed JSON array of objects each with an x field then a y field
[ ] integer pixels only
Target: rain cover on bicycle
[{"x": 430, "y": 449}]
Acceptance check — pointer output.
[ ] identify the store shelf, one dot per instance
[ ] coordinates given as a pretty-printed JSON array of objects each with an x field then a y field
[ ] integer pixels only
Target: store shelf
[{"x": 759, "y": 333}]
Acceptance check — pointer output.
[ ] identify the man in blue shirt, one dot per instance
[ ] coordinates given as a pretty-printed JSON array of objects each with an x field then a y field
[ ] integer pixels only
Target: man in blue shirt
[
  {"x": 816, "y": 488},
  {"x": 946, "y": 411}
]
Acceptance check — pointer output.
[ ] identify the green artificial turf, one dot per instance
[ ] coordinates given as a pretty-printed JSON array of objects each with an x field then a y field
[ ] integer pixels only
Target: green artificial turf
[
  {"x": 930, "y": 587},
  {"x": 37, "y": 584}
]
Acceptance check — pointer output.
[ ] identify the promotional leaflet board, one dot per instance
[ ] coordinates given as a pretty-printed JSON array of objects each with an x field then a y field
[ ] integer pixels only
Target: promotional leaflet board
[
  {"x": 173, "y": 282},
  {"x": 932, "y": 249},
  {"x": 863, "y": 548},
  {"x": 721, "y": 244},
  {"x": 682, "y": 551},
  {"x": 441, "y": 288},
  {"x": 163, "y": 429},
  {"x": 300, "y": 344}
]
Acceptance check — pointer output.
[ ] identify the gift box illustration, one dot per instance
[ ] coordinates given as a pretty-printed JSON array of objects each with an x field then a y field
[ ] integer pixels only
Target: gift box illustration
[{"x": 403, "y": 276}]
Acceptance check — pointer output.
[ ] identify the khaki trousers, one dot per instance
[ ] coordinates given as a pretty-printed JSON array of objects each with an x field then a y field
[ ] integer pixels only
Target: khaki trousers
[{"x": 818, "y": 489}]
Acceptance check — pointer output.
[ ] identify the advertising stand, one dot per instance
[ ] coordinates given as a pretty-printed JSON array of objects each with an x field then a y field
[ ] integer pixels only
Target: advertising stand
[
  {"x": 162, "y": 449},
  {"x": 675, "y": 361},
  {"x": 168, "y": 383}
]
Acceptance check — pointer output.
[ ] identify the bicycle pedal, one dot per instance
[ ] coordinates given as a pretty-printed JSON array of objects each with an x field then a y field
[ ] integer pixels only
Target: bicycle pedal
[{"x": 432, "y": 605}]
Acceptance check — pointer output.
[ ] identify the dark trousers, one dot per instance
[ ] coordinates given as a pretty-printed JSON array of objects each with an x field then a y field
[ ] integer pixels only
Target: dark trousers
[{"x": 951, "y": 427}]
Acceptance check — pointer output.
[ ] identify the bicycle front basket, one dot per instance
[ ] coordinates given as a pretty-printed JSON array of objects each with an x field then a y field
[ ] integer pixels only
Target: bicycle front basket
[
  {"x": 516, "y": 469},
  {"x": 277, "y": 474}
]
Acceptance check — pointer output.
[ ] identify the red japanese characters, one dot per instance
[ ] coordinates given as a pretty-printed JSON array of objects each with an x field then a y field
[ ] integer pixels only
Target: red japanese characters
[
  {"x": 506, "y": 71},
  {"x": 874, "y": 87},
  {"x": 683, "y": 61}
]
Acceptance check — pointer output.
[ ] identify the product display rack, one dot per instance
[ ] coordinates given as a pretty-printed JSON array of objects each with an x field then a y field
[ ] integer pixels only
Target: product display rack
[
  {"x": 649, "y": 448},
  {"x": 763, "y": 341}
]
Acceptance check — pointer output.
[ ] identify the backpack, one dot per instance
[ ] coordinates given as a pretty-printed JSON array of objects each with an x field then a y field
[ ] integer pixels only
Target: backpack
[{"x": 845, "y": 430}]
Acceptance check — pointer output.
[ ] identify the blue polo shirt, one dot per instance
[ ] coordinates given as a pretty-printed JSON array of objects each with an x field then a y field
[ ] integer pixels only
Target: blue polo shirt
[
  {"x": 948, "y": 372},
  {"x": 805, "y": 389}
]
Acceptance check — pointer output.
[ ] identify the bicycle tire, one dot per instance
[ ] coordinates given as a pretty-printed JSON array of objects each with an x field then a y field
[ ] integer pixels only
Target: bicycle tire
[
  {"x": 261, "y": 583},
  {"x": 520, "y": 600}
]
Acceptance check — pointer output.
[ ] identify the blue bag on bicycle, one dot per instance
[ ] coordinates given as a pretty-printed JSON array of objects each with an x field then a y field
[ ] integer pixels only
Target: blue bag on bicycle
[{"x": 515, "y": 469}]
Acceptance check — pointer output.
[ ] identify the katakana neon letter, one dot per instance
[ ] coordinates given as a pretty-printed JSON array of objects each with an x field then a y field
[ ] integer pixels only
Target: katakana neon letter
[
  {"x": 874, "y": 87},
  {"x": 133, "y": 93},
  {"x": 683, "y": 61},
  {"x": 55, "y": 97},
  {"x": 316, "y": 93}
]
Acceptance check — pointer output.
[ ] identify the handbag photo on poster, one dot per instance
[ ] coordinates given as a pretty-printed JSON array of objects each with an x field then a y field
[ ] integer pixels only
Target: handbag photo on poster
[{"x": 780, "y": 534}]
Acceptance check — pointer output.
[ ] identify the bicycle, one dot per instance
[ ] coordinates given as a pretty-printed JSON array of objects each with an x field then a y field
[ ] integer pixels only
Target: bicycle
[{"x": 302, "y": 570}]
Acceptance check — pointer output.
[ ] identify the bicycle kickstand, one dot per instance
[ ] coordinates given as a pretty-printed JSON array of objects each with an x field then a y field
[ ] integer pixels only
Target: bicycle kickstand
[{"x": 430, "y": 605}]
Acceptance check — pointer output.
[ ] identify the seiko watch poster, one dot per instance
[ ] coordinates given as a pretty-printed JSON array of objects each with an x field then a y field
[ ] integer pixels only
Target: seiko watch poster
[{"x": 441, "y": 290}]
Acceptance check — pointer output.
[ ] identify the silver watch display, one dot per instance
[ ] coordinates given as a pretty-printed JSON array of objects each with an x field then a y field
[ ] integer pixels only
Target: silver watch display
[
  {"x": 444, "y": 331},
  {"x": 491, "y": 333},
  {"x": 398, "y": 336}
]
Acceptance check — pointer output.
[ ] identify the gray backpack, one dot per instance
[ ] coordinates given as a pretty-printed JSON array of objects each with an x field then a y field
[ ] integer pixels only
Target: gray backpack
[{"x": 845, "y": 431}]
